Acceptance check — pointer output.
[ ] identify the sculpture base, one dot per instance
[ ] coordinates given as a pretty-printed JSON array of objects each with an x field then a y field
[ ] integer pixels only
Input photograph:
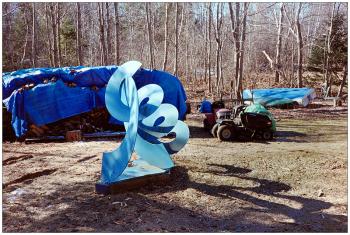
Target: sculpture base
[{"x": 136, "y": 176}]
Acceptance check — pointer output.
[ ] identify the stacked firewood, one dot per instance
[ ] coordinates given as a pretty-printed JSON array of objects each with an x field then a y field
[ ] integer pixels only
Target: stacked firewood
[{"x": 94, "y": 121}]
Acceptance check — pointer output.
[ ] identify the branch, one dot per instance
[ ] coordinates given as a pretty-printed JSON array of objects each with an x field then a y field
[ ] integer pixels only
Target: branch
[
  {"x": 262, "y": 10},
  {"x": 12, "y": 11},
  {"x": 269, "y": 59},
  {"x": 290, "y": 24}
]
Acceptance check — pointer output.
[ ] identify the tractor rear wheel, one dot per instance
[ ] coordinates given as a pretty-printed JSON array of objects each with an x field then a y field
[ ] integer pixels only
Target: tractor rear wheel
[
  {"x": 206, "y": 124},
  {"x": 225, "y": 133},
  {"x": 267, "y": 135}
]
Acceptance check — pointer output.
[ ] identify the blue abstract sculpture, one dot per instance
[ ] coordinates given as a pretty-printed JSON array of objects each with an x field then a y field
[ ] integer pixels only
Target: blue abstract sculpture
[{"x": 146, "y": 120}]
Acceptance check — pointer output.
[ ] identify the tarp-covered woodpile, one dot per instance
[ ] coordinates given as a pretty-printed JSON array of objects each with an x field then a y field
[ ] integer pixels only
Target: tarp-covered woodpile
[{"x": 41, "y": 96}]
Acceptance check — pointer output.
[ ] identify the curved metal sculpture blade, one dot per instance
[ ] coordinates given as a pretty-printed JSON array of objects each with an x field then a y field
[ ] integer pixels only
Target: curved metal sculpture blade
[{"x": 146, "y": 120}]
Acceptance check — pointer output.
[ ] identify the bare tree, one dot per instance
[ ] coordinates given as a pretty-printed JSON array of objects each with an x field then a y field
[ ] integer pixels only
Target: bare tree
[
  {"x": 327, "y": 76},
  {"x": 149, "y": 29},
  {"x": 235, "y": 25},
  {"x": 165, "y": 61},
  {"x": 243, "y": 36},
  {"x": 239, "y": 37},
  {"x": 218, "y": 39},
  {"x": 117, "y": 34},
  {"x": 108, "y": 34},
  {"x": 206, "y": 46},
  {"x": 298, "y": 35},
  {"x": 345, "y": 74},
  {"x": 279, "y": 45},
  {"x": 34, "y": 36},
  {"x": 300, "y": 47},
  {"x": 235, "y": 31},
  {"x": 102, "y": 34},
  {"x": 187, "y": 42},
  {"x": 276, "y": 63},
  {"x": 54, "y": 33},
  {"x": 176, "y": 38},
  {"x": 79, "y": 51},
  {"x": 58, "y": 33},
  {"x": 26, "y": 40},
  {"x": 48, "y": 35},
  {"x": 209, "y": 49}
]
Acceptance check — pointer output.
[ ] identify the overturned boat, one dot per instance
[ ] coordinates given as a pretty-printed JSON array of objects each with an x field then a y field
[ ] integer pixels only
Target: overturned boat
[{"x": 280, "y": 96}]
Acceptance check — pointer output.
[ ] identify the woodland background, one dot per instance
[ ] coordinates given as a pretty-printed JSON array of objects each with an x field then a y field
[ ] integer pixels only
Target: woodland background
[{"x": 216, "y": 49}]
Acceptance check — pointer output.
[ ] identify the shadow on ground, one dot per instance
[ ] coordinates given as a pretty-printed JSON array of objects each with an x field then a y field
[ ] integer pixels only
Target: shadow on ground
[{"x": 139, "y": 211}]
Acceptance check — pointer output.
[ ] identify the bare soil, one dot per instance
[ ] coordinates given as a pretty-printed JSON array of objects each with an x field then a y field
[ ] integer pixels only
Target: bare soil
[{"x": 296, "y": 183}]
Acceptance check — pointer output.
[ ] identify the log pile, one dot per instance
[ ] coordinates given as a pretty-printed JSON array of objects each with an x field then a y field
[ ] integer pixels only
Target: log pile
[{"x": 94, "y": 121}]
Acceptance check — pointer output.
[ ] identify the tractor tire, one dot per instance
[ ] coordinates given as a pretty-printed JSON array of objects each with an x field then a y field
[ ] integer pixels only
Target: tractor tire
[
  {"x": 214, "y": 130},
  {"x": 267, "y": 135},
  {"x": 225, "y": 133}
]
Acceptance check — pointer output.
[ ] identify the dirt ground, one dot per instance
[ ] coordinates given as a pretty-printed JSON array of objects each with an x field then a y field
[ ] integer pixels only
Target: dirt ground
[{"x": 296, "y": 183}]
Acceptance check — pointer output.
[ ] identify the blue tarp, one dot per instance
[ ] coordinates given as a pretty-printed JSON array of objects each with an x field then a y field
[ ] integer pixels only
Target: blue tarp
[
  {"x": 50, "y": 102},
  {"x": 278, "y": 96}
]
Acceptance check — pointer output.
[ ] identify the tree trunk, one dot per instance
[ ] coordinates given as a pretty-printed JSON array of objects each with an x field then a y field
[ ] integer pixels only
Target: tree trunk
[
  {"x": 58, "y": 23},
  {"x": 34, "y": 37},
  {"x": 26, "y": 40},
  {"x": 221, "y": 70},
  {"x": 181, "y": 20},
  {"x": 240, "y": 80},
  {"x": 327, "y": 52},
  {"x": 54, "y": 34},
  {"x": 149, "y": 29},
  {"x": 209, "y": 49},
  {"x": 206, "y": 47},
  {"x": 237, "y": 45},
  {"x": 300, "y": 48},
  {"x": 233, "y": 28},
  {"x": 279, "y": 45},
  {"x": 152, "y": 18},
  {"x": 79, "y": 51},
  {"x": 292, "y": 75},
  {"x": 187, "y": 43},
  {"x": 48, "y": 35},
  {"x": 165, "y": 61},
  {"x": 345, "y": 74},
  {"x": 176, "y": 39},
  {"x": 108, "y": 35},
  {"x": 187, "y": 55},
  {"x": 102, "y": 34},
  {"x": 117, "y": 34},
  {"x": 218, "y": 33}
]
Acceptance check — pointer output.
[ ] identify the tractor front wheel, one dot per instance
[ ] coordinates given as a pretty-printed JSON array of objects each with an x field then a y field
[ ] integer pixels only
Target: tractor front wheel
[
  {"x": 214, "y": 130},
  {"x": 225, "y": 133}
]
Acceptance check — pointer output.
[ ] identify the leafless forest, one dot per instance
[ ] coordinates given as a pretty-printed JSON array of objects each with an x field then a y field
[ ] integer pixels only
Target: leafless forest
[{"x": 220, "y": 48}]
